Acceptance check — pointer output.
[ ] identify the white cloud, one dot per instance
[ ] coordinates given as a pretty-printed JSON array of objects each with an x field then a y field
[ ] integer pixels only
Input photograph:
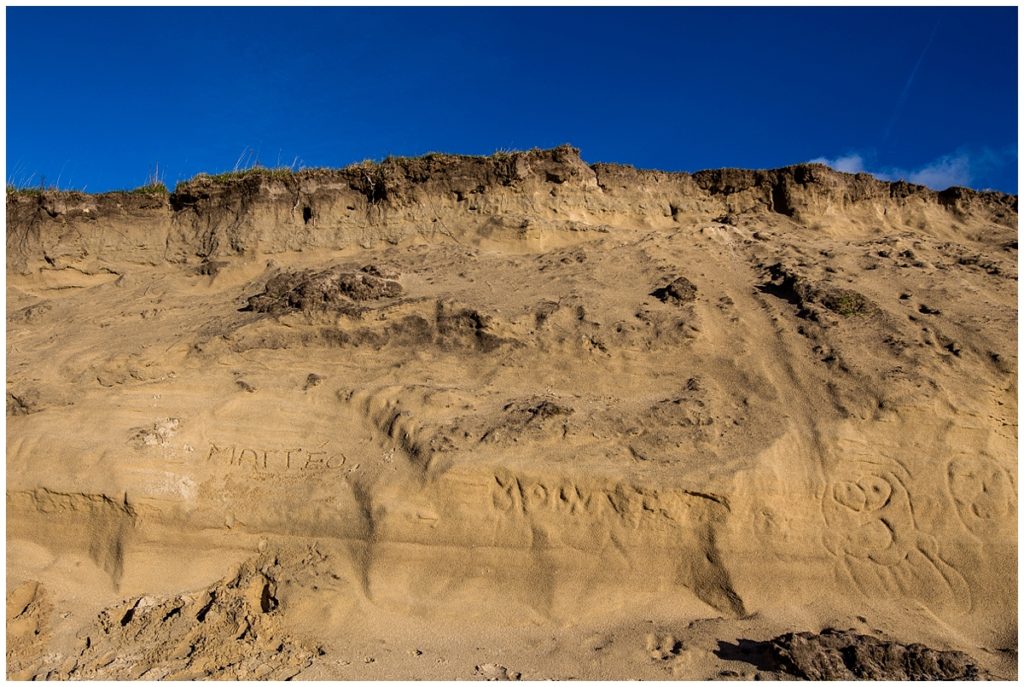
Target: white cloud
[
  {"x": 852, "y": 163},
  {"x": 951, "y": 170},
  {"x": 939, "y": 174}
]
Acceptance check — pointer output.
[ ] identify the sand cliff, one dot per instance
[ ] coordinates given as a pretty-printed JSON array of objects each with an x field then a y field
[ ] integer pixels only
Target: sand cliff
[{"x": 477, "y": 417}]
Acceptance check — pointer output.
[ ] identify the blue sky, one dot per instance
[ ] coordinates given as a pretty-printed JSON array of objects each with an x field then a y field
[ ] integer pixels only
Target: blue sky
[{"x": 96, "y": 97}]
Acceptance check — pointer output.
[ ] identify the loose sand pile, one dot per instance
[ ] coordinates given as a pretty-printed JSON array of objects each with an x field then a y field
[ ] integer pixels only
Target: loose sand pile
[{"x": 515, "y": 417}]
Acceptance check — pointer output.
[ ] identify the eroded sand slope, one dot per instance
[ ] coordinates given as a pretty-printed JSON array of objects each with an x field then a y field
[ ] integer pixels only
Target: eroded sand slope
[{"x": 487, "y": 417}]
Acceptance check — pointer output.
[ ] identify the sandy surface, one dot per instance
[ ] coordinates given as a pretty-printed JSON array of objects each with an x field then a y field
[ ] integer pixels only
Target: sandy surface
[{"x": 508, "y": 417}]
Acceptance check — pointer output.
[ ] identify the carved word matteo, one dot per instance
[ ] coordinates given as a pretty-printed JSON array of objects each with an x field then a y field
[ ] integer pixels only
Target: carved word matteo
[{"x": 277, "y": 459}]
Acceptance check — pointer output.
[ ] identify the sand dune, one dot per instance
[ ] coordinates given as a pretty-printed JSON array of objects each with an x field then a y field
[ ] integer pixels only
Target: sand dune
[{"x": 511, "y": 417}]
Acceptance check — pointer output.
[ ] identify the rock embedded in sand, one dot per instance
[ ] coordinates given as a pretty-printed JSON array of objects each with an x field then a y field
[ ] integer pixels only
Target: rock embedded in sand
[
  {"x": 156, "y": 434},
  {"x": 311, "y": 291},
  {"x": 493, "y": 672},
  {"x": 789, "y": 285},
  {"x": 677, "y": 292},
  {"x": 845, "y": 655}
]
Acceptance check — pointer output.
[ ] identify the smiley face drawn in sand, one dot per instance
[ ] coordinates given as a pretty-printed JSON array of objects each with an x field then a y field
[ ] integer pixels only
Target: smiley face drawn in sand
[
  {"x": 870, "y": 516},
  {"x": 873, "y": 534},
  {"x": 869, "y": 493},
  {"x": 983, "y": 493}
]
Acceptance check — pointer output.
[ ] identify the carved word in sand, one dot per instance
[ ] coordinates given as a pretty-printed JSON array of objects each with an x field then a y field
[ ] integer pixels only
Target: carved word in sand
[
  {"x": 626, "y": 522},
  {"x": 276, "y": 460},
  {"x": 563, "y": 497}
]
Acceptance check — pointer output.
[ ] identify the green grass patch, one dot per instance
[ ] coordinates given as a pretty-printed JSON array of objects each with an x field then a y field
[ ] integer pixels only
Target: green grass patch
[
  {"x": 269, "y": 172},
  {"x": 846, "y": 303},
  {"x": 153, "y": 189}
]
